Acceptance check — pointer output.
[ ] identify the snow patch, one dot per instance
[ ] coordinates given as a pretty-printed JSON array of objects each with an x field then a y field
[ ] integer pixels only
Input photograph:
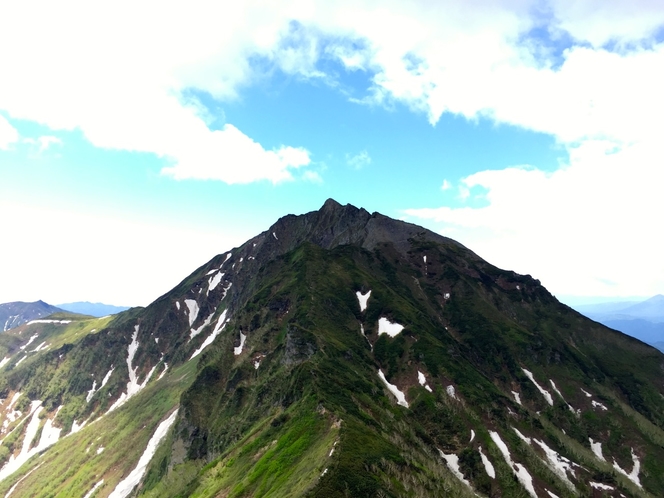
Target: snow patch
[
  {"x": 43, "y": 346},
  {"x": 4, "y": 361},
  {"x": 634, "y": 474},
  {"x": 61, "y": 322},
  {"x": 221, "y": 323},
  {"x": 13, "y": 401},
  {"x": 599, "y": 485},
  {"x": 193, "y": 310},
  {"x": 517, "y": 397},
  {"x": 94, "y": 488},
  {"x": 20, "y": 361},
  {"x": 519, "y": 470},
  {"x": 558, "y": 463},
  {"x": 100, "y": 450},
  {"x": 451, "y": 392},
  {"x": 126, "y": 486},
  {"x": 597, "y": 404},
  {"x": 521, "y": 436},
  {"x": 32, "y": 338},
  {"x": 544, "y": 392},
  {"x": 228, "y": 256},
  {"x": 553, "y": 385},
  {"x": 588, "y": 395},
  {"x": 488, "y": 466},
  {"x": 214, "y": 281},
  {"x": 453, "y": 464},
  {"x": 472, "y": 435},
  {"x": 133, "y": 387},
  {"x": 194, "y": 332},
  {"x": 238, "y": 350},
  {"x": 401, "y": 397},
  {"x": 13, "y": 488},
  {"x": 422, "y": 380},
  {"x": 596, "y": 448},
  {"x": 446, "y": 295},
  {"x": 163, "y": 372},
  {"x": 389, "y": 328},
  {"x": 552, "y": 495},
  {"x": 363, "y": 298},
  {"x": 425, "y": 259},
  {"x": 275, "y": 236},
  {"x": 49, "y": 437},
  {"x": 177, "y": 305},
  {"x": 91, "y": 392},
  {"x": 106, "y": 377},
  {"x": 75, "y": 427}
]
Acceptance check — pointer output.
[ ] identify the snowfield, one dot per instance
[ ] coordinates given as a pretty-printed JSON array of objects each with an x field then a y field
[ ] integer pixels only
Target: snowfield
[
  {"x": 389, "y": 328},
  {"x": 363, "y": 298}
]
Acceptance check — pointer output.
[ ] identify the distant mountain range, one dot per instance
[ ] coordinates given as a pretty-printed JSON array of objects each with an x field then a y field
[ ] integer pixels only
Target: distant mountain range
[
  {"x": 92, "y": 309},
  {"x": 643, "y": 320},
  {"x": 17, "y": 313}
]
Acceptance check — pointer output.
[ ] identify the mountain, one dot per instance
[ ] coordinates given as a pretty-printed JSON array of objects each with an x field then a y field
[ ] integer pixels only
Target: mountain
[
  {"x": 339, "y": 353},
  {"x": 643, "y": 320},
  {"x": 92, "y": 309},
  {"x": 652, "y": 309},
  {"x": 17, "y": 313}
]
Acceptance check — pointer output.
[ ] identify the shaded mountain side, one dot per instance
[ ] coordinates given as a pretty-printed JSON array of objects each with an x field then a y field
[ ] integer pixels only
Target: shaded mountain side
[
  {"x": 17, "y": 313},
  {"x": 339, "y": 353}
]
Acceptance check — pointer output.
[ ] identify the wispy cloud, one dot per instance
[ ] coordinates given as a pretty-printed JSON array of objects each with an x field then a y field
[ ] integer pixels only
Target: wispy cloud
[{"x": 359, "y": 160}]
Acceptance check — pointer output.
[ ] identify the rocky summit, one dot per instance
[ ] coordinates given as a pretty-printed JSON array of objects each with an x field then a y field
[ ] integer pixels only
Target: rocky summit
[{"x": 339, "y": 353}]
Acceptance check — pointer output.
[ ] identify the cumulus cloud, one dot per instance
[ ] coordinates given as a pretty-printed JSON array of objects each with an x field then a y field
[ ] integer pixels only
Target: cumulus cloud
[
  {"x": 570, "y": 227},
  {"x": 232, "y": 157}
]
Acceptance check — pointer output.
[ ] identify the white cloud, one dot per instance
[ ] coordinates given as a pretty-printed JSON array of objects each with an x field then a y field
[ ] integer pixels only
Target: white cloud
[
  {"x": 8, "y": 134},
  {"x": 445, "y": 186},
  {"x": 118, "y": 72},
  {"x": 571, "y": 228},
  {"x": 359, "y": 160},
  {"x": 232, "y": 157}
]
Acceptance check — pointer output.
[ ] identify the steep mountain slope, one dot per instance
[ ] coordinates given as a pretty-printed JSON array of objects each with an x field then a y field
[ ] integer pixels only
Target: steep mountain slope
[
  {"x": 17, "y": 313},
  {"x": 339, "y": 353}
]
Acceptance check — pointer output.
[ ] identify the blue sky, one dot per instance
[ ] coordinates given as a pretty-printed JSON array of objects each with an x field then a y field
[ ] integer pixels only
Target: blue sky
[{"x": 526, "y": 130}]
